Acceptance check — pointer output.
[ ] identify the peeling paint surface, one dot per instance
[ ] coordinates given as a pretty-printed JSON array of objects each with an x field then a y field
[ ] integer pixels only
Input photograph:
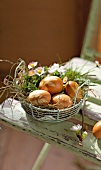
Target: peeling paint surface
[{"x": 58, "y": 134}]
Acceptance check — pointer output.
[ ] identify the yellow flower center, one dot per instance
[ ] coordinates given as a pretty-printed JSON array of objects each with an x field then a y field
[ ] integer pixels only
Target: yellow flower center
[
  {"x": 31, "y": 72},
  {"x": 65, "y": 80},
  {"x": 39, "y": 71},
  {"x": 32, "y": 64}
]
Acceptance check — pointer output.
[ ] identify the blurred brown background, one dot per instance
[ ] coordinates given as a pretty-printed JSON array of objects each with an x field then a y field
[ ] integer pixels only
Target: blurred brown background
[
  {"x": 42, "y": 29},
  {"x": 38, "y": 30}
]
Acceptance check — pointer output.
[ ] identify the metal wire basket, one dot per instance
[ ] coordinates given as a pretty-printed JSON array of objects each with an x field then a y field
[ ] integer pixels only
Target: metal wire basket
[{"x": 51, "y": 114}]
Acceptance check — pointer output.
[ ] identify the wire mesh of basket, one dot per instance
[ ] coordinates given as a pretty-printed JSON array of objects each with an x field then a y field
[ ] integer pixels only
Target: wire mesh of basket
[
  {"x": 53, "y": 115},
  {"x": 50, "y": 114}
]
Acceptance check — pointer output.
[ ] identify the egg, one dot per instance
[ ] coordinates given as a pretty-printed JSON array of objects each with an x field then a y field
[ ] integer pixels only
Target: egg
[
  {"x": 70, "y": 89},
  {"x": 52, "y": 84},
  {"x": 61, "y": 101},
  {"x": 97, "y": 130},
  {"x": 39, "y": 97}
]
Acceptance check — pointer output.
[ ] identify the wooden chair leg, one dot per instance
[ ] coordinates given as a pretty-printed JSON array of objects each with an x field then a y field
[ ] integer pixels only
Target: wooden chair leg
[{"x": 41, "y": 157}]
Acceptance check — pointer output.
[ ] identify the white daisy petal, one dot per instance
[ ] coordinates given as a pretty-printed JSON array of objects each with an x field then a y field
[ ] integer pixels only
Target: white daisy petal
[
  {"x": 32, "y": 64},
  {"x": 76, "y": 127},
  {"x": 53, "y": 68},
  {"x": 39, "y": 71},
  {"x": 62, "y": 70}
]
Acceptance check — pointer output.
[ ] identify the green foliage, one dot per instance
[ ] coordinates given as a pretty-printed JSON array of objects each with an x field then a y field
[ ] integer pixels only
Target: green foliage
[{"x": 32, "y": 82}]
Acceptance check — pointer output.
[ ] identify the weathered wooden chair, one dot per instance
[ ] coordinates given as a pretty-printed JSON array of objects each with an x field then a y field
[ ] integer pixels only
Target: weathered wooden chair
[
  {"x": 90, "y": 51},
  {"x": 60, "y": 134}
]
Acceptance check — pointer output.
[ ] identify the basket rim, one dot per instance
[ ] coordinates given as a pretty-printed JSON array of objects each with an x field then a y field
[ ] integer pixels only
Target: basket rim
[{"x": 53, "y": 110}]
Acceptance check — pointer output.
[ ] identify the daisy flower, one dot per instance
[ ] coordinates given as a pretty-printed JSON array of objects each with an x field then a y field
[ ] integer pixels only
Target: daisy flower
[
  {"x": 31, "y": 72},
  {"x": 65, "y": 79},
  {"x": 97, "y": 64},
  {"x": 32, "y": 64},
  {"x": 84, "y": 134},
  {"x": 62, "y": 69},
  {"x": 39, "y": 71},
  {"x": 76, "y": 128},
  {"x": 53, "y": 68}
]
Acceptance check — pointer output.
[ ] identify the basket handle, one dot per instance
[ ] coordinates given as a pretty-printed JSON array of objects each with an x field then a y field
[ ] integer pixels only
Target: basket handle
[
  {"x": 22, "y": 62},
  {"x": 87, "y": 83}
]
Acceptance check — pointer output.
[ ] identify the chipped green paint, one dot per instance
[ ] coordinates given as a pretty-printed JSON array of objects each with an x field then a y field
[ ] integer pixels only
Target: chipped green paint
[{"x": 59, "y": 134}]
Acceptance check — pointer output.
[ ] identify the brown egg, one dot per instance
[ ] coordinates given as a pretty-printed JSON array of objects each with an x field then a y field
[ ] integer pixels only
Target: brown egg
[
  {"x": 97, "y": 130},
  {"x": 70, "y": 89},
  {"x": 39, "y": 97},
  {"x": 52, "y": 84},
  {"x": 61, "y": 101}
]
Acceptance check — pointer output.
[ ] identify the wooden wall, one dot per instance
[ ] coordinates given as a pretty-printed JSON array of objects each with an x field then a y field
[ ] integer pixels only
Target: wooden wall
[{"x": 41, "y": 29}]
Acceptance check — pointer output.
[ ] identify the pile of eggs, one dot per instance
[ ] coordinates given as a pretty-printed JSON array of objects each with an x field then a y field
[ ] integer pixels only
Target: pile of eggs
[{"x": 51, "y": 92}]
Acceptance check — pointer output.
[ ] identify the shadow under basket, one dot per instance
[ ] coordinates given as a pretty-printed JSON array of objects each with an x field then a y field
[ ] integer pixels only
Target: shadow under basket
[{"x": 52, "y": 115}]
